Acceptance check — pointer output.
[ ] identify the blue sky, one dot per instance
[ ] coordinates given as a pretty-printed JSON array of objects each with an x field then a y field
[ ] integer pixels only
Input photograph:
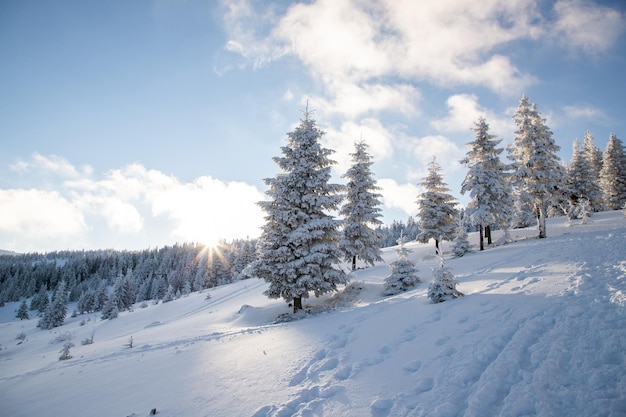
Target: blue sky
[{"x": 138, "y": 124}]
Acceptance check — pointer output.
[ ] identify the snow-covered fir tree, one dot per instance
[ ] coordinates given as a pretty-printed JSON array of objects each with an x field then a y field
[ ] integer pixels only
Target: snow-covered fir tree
[
  {"x": 86, "y": 301},
  {"x": 403, "y": 271},
  {"x": 57, "y": 309},
  {"x": 298, "y": 251},
  {"x": 461, "y": 241},
  {"x": 437, "y": 211},
  {"x": 487, "y": 183},
  {"x": 580, "y": 180},
  {"x": 110, "y": 310},
  {"x": 170, "y": 295},
  {"x": 41, "y": 300},
  {"x": 613, "y": 174},
  {"x": 594, "y": 157},
  {"x": 538, "y": 175},
  {"x": 360, "y": 239},
  {"x": 443, "y": 286},
  {"x": 124, "y": 291},
  {"x": 22, "y": 311}
]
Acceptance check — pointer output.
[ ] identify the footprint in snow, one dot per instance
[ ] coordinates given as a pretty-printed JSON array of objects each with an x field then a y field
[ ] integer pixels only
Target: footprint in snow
[
  {"x": 413, "y": 366},
  {"x": 381, "y": 407},
  {"x": 442, "y": 340},
  {"x": 424, "y": 385}
]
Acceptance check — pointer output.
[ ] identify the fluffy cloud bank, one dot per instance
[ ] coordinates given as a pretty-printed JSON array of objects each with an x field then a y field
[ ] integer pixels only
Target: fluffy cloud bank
[{"x": 128, "y": 208}]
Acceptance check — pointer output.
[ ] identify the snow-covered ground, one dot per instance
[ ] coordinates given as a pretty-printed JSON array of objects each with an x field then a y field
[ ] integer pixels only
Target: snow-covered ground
[{"x": 540, "y": 332}]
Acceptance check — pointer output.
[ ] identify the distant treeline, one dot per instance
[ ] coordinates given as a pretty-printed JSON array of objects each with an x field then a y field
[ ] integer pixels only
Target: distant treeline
[
  {"x": 180, "y": 268},
  {"x": 152, "y": 272}
]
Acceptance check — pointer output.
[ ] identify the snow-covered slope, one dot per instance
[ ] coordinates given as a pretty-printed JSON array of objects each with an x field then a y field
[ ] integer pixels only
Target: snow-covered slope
[{"x": 541, "y": 332}]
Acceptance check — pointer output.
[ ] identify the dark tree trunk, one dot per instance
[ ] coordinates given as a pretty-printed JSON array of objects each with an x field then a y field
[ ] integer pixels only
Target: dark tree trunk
[
  {"x": 482, "y": 239},
  {"x": 437, "y": 246},
  {"x": 297, "y": 304},
  {"x": 354, "y": 263},
  {"x": 488, "y": 234}
]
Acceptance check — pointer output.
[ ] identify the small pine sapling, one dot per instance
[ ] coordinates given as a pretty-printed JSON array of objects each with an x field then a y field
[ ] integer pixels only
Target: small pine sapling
[
  {"x": 403, "y": 271},
  {"x": 65, "y": 350},
  {"x": 585, "y": 211},
  {"x": 443, "y": 285},
  {"x": 461, "y": 242},
  {"x": 88, "y": 340}
]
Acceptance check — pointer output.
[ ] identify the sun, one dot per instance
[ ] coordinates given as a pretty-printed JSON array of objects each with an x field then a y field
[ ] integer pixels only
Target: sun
[{"x": 210, "y": 242}]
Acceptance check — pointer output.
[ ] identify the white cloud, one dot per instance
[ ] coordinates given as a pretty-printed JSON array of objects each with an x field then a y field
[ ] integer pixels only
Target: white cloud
[
  {"x": 446, "y": 151},
  {"x": 447, "y": 42},
  {"x": 353, "y": 100},
  {"x": 36, "y": 214},
  {"x": 464, "y": 111},
  {"x": 358, "y": 42},
  {"x": 371, "y": 131},
  {"x": 586, "y": 25},
  {"x": 209, "y": 209},
  {"x": 52, "y": 164},
  {"x": 142, "y": 204},
  {"x": 583, "y": 112},
  {"x": 399, "y": 196}
]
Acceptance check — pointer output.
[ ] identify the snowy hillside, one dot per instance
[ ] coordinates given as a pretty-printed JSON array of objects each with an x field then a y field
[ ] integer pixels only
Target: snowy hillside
[{"x": 540, "y": 332}]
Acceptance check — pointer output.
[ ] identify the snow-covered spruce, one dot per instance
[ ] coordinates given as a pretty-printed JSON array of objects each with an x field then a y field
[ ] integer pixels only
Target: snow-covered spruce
[
  {"x": 298, "y": 250},
  {"x": 22, "y": 311},
  {"x": 443, "y": 286},
  {"x": 487, "y": 182},
  {"x": 55, "y": 311},
  {"x": 613, "y": 174},
  {"x": 594, "y": 157},
  {"x": 403, "y": 271},
  {"x": 359, "y": 238},
  {"x": 538, "y": 176},
  {"x": 461, "y": 242},
  {"x": 436, "y": 208}
]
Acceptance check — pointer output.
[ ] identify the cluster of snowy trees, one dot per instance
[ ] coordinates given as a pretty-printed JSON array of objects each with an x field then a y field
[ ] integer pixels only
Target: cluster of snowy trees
[
  {"x": 302, "y": 243},
  {"x": 110, "y": 281},
  {"x": 535, "y": 183}
]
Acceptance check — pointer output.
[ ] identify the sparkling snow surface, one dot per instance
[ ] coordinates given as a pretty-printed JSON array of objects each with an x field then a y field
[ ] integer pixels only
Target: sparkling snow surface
[{"x": 540, "y": 332}]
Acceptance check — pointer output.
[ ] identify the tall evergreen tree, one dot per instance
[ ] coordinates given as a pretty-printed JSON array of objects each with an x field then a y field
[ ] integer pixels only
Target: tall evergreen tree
[
  {"x": 40, "y": 301},
  {"x": 437, "y": 211},
  {"x": 487, "y": 182},
  {"x": 124, "y": 291},
  {"x": 298, "y": 249},
  {"x": 538, "y": 175},
  {"x": 613, "y": 174},
  {"x": 580, "y": 180},
  {"x": 594, "y": 157},
  {"x": 57, "y": 309},
  {"x": 360, "y": 211},
  {"x": 109, "y": 309}
]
